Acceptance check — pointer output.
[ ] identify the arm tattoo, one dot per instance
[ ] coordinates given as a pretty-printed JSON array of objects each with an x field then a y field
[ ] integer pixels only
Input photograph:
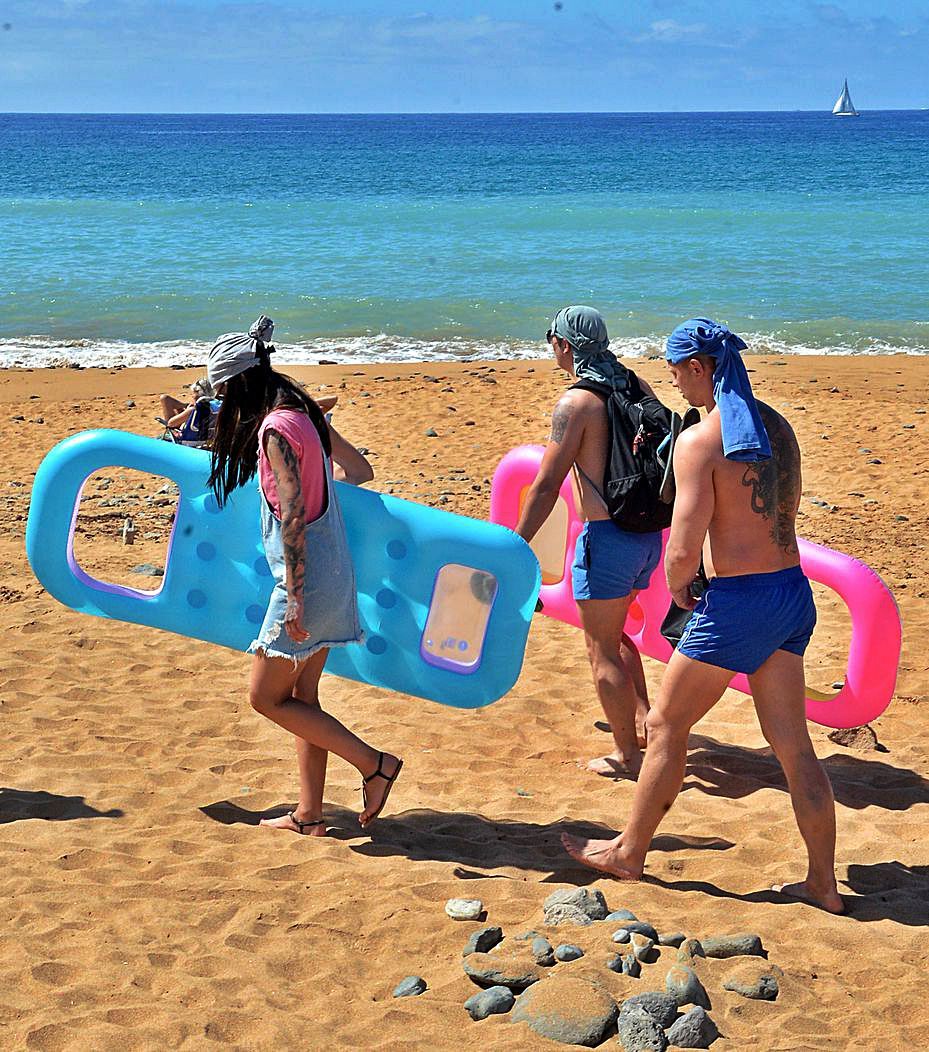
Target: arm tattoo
[
  {"x": 293, "y": 513},
  {"x": 560, "y": 419},
  {"x": 775, "y": 483}
]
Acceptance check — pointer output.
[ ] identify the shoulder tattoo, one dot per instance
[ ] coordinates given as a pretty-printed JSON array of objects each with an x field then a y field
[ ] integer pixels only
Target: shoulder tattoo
[
  {"x": 775, "y": 483},
  {"x": 560, "y": 418}
]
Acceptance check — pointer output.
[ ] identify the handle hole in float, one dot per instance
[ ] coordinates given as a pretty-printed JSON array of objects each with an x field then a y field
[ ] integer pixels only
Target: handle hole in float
[
  {"x": 826, "y": 658},
  {"x": 550, "y": 543},
  {"x": 104, "y": 551},
  {"x": 456, "y": 625}
]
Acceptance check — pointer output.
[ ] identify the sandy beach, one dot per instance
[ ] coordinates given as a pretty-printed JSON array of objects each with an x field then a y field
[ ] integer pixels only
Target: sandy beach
[{"x": 143, "y": 908}]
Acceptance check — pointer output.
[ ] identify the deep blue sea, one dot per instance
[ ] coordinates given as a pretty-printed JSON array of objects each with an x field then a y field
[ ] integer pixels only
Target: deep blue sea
[{"x": 138, "y": 239}]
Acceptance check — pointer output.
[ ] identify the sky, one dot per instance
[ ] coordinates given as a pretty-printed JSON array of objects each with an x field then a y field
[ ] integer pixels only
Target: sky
[{"x": 398, "y": 56}]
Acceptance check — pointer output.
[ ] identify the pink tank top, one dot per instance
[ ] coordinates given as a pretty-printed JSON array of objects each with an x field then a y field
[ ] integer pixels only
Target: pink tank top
[{"x": 301, "y": 435}]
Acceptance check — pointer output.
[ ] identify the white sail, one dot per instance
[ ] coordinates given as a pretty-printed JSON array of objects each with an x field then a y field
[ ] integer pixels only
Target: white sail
[{"x": 843, "y": 106}]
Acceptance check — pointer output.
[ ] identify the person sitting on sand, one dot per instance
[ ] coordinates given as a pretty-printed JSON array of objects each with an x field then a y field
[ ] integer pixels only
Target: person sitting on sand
[
  {"x": 269, "y": 424},
  {"x": 202, "y": 406},
  {"x": 611, "y": 565},
  {"x": 738, "y": 488}
]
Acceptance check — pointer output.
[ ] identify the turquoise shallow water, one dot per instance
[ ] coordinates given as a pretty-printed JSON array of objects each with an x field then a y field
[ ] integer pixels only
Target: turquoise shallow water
[{"x": 140, "y": 238}]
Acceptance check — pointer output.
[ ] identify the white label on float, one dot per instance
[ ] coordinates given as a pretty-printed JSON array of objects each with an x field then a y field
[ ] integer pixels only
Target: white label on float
[{"x": 456, "y": 626}]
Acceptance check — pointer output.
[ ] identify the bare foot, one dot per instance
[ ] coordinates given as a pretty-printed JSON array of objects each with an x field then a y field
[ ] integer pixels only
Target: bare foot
[
  {"x": 606, "y": 856},
  {"x": 614, "y": 766},
  {"x": 830, "y": 901},
  {"x": 291, "y": 824},
  {"x": 377, "y": 787}
]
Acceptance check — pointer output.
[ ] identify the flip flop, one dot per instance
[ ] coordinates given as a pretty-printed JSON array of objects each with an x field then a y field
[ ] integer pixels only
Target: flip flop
[{"x": 389, "y": 779}]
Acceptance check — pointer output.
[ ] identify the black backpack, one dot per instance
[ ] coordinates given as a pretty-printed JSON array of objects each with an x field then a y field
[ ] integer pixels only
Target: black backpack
[{"x": 639, "y": 425}]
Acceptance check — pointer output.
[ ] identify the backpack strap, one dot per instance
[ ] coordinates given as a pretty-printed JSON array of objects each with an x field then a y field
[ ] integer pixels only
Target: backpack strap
[{"x": 633, "y": 388}]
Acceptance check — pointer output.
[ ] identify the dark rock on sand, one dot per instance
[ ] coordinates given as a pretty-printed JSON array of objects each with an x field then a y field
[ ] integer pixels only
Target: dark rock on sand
[
  {"x": 743, "y": 944},
  {"x": 643, "y": 948},
  {"x": 622, "y": 935},
  {"x": 689, "y": 949},
  {"x": 620, "y": 915},
  {"x": 542, "y": 952},
  {"x": 568, "y": 952},
  {"x": 641, "y": 928},
  {"x": 672, "y": 940},
  {"x": 495, "y": 1001},
  {"x": 494, "y": 970},
  {"x": 630, "y": 966},
  {"x": 862, "y": 738},
  {"x": 482, "y": 940},
  {"x": 148, "y": 570},
  {"x": 638, "y": 1032},
  {"x": 411, "y": 986},
  {"x": 693, "y": 1030},
  {"x": 661, "y": 1007},
  {"x": 757, "y": 982},
  {"x": 567, "y": 1009},
  {"x": 574, "y": 906},
  {"x": 682, "y": 983}
]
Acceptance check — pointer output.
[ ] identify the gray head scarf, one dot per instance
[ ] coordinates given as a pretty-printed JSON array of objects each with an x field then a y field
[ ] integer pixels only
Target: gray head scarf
[
  {"x": 585, "y": 329},
  {"x": 234, "y": 352}
]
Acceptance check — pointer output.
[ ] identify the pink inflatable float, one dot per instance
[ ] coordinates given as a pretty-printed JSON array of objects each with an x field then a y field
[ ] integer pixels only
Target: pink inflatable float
[{"x": 874, "y": 653}]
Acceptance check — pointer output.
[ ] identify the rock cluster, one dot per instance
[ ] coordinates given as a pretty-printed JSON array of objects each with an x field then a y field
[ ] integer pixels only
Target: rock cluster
[{"x": 525, "y": 976}]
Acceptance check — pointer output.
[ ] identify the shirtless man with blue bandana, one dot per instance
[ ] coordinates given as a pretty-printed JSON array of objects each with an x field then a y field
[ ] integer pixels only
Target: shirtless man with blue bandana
[{"x": 738, "y": 483}]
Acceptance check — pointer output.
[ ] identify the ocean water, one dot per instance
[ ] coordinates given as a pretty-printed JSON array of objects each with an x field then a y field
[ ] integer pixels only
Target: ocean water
[{"x": 138, "y": 239}]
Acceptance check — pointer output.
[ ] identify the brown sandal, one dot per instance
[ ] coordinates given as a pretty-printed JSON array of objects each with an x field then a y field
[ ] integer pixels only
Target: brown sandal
[{"x": 389, "y": 779}]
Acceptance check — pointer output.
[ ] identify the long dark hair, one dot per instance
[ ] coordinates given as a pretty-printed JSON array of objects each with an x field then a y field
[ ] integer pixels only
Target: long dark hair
[{"x": 248, "y": 399}]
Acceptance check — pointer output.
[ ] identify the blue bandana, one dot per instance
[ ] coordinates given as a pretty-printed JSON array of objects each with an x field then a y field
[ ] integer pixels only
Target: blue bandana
[{"x": 744, "y": 434}]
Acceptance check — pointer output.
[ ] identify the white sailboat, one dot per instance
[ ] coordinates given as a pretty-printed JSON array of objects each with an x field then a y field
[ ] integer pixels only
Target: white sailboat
[{"x": 843, "y": 105}]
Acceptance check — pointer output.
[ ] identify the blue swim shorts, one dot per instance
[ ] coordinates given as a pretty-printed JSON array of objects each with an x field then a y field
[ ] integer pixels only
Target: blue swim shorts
[
  {"x": 741, "y": 621},
  {"x": 609, "y": 563}
]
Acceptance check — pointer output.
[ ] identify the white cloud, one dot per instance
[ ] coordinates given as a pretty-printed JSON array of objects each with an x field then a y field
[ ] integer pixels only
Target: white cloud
[{"x": 670, "y": 31}]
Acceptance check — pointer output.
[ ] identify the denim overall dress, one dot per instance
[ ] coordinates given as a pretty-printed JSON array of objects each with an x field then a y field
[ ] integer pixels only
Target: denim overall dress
[{"x": 330, "y": 608}]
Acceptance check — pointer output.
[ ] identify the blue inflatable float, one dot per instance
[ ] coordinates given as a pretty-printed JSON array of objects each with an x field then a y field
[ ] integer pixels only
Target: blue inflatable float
[{"x": 445, "y": 601}]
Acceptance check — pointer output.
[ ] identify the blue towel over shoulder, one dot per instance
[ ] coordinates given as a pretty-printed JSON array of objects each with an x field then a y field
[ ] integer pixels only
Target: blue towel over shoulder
[{"x": 744, "y": 434}]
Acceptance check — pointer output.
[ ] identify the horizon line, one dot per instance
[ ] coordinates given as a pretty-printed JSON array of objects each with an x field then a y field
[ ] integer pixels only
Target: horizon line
[{"x": 422, "y": 113}]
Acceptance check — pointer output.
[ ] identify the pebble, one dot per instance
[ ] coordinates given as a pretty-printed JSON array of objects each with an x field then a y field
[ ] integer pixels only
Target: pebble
[
  {"x": 641, "y": 928},
  {"x": 574, "y": 906},
  {"x": 643, "y": 947},
  {"x": 864, "y": 449},
  {"x": 661, "y": 1007},
  {"x": 130, "y": 404},
  {"x": 17, "y": 418},
  {"x": 431, "y": 432},
  {"x": 568, "y": 952},
  {"x": 570, "y": 1010},
  {"x": 621, "y": 915},
  {"x": 464, "y": 909},
  {"x": 487, "y": 969},
  {"x": 148, "y": 570},
  {"x": 901, "y": 518},
  {"x": 542, "y": 952},
  {"x": 526, "y": 936},
  {"x": 689, "y": 949},
  {"x": 908, "y": 427},
  {"x": 693, "y": 1030},
  {"x": 862, "y": 738},
  {"x": 757, "y": 982},
  {"x": 875, "y": 460},
  {"x": 622, "y": 935},
  {"x": 411, "y": 986},
  {"x": 682, "y": 983},
  {"x": 672, "y": 940},
  {"x": 482, "y": 940},
  {"x": 495, "y": 1001},
  {"x": 638, "y": 1032},
  {"x": 743, "y": 944},
  {"x": 628, "y": 965}
]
